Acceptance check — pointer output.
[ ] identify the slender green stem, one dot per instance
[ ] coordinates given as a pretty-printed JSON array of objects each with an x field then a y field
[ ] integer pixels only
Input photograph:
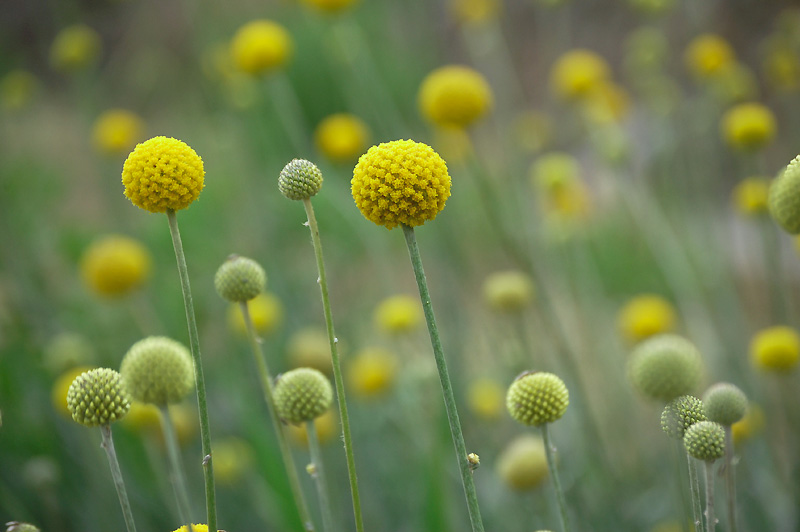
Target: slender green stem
[
  {"x": 318, "y": 472},
  {"x": 694, "y": 488},
  {"x": 337, "y": 365},
  {"x": 711, "y": 520},
  {"x": 551, "y": 466},
  {"x": 444, "y": 378},
  {"x": 266, "y": 387},
  {"x": 177, "y": 477},
  {"x": 116, "y": 473},
  {"x": 194, "y": 344},
  {"x": 730, "y": 480}
]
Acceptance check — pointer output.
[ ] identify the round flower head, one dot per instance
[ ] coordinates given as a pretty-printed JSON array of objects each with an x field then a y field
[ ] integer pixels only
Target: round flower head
[
  {"x": 117, "y": 131},
  {"x": 15, "y": 526},
  {"x": 266, "y": 313},
  {"x": 330, "y": 6},
  {"x": 240, "y": 279},
  {"x": 75, "y": 48},
  {"x": 163, "y": 173},
  {"x": 261, "y": 46},
  {"x": 553, "y": 171},
  {"x": 535, "y": 398},
  {"x": 400, "y": 182},
  {"x": 454, "y": 96},
  {"x": 475, "y": 11},
  {"x": 523, "y": 464},
  {"x": 485, "y": 398},
  {"x": 372, "y": 371},
  {"x": 195, "y": 528},
  {"x": 398, "y": 314},
  {"x": 708, "y": 55},
  {"x": 143, "y": 418},
  {"x": 341, "y": 137},
  {"x": 158, "y": 370},
  {"x": 577, "y": 73},
  {"x": 750, "y": 425},
  {"x": 748, "y": 126},
  {"x": 750, "y": 196},
  {"x": 61, "y": 389},
  {"x": 300, "y": 179},
  {"x": 664, "y": 367},
  {"x": 784, "y": 198},
  {"x": 302, "y": 395},
  {"x": 644, "y": 316},
  {"x": 233, "y": 459},
  {"x": 17, "y": 89},
  {"x": 115, "y": 265},
  {"x": 510, "y": 291},
  {"x": 310, "y": 348},
  {"x": 98, "y": 397},
  {"x": 775, "y": 349},
  {"x": 680, "y": 414},
  {"x": 725, "y": 403},
  {"x": 705, "y": 440}
]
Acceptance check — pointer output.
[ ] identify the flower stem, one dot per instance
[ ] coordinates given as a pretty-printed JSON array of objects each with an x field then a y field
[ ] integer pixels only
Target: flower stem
[
  {"x": 266, "y": 387},
  {"x": 337, "y": 365},
  {"x": 730, "y": 479},
  {"x": 178, "y": 480},
  {"x": 711, "y": 521},
  {"x": 694, "y": 488},
  {"x": 108, "y": 446},
  {"x": 551, "y": 466},
  {"x": 318, "y": 473},
  {"x": 444, "y": 378},
  {"x": 194, "y": 344}
]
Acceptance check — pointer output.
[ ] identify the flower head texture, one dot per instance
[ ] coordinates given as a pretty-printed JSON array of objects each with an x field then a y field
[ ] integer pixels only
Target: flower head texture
[
  {"x": 775, "y": 349},
  {"x": 748, "y": 126},
  {"x": 577, "y": 73},
  {"x": 158, "y": 370},
  {"x": 400, "y": 182},
  {"x": 300, "y": 179},
  {"x": 341, "y": 137},
  {"x": 454, "y": 96},
  {"x": 116, "y": 131},
  {"x": 261, "y": 46},
  {"x": 522, "y": 465},
  {"x": 302, "y": 394},
  {"x": 644, "y": 316},
  {"x": 398, "y": 314},
  {"x": 664, "y": 367},
  {"x": 163, "y": 173},
  {"x": 508, "y": 291},
  {"x": 784, "y": 198},
  {"x": 240, "y": 279},
  {"x": 98, "y": 397},
  {"x": 75, "y": 48},
  {"x": 61, "y": 386},
  {"x": 536, "y": 398},
  {"x": 114, "y": 266},
  {"x": 708, "y": 55},
  {"x": 195, "y": 528},
  {"x": 725, "y": 403},
  {"x": 680, "y": 414},
  {"x": 705, "y": 440}
]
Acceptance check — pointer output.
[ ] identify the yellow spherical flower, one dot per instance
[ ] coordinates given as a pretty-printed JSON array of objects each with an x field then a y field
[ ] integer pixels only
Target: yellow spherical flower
[
  {"x": 115, "y": 265},
  {"x": 17, "y": 89},
  {"x": 453, "y": 144},
  {"x": 750, "y": 425},
  {"x": 326, "y": 425},
  {"x": 646, "y": 315},
  {"x": 400, "y": 182},
  {"x": 61, "y": 387},
  {"x": 143, "y": 418},
  {"x": 568, "y": 203},
  {"x": 486, "y": 398},
  {"x": 553, "y": 171},
  {"x": 454, "y": 96},
  {"x": 775, "y": 349},
  {"x": 261, "y": 46},
  {"x": 117, "y": 131},
  {"x": 233, "y": 458},
  {"x": 195, "y": 528},
  {"x": 748, "y": 126},
  {"x": 184, "y": 419},
  {"x": 75, "y": 48},
  {"x": 341, "y": 137},
  {"x": 266, "y": 311},
  {"x": 372, "y": 371},
  {"x": 508, "y": 291},
  {"x": 475, "y": 11},
  {"x": 523, "y": 463},
  {"x": 578, "y": 72},
  {"x": 607, "y": 103},
  {"x": 398, "y": 314},
  {"x": 330, "y": 6},
  {"x": 708, "y": 55},
  {"x": 750, "y": 196},
  {"x": 163, "y": 173},
  {"x": 310, "y": 348}
]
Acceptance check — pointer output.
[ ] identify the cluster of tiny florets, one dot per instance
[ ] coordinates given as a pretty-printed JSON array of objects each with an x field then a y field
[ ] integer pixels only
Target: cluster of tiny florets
[
  {"x": 680, "y": 414},
  {"x": 664, "y": 367},
  {"x": 705, "y": 440},
  {"x": 240, "y": 279},
  {"x": 784, "y": 198},
  {"x": 158, "y": 370},
  {"x": 300, "y": 179},
  {"x": 98, "y": 397},
  {"x": 725, "y": 403},
  {"x": 536, "y": 398},
  {"x": 302, "y": 395}
]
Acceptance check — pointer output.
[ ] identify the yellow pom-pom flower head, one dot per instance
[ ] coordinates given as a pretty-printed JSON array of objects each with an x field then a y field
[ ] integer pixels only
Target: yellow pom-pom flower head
[
  {"x": 664, "y": 367},
  {"x": 748, "y": 126},
  {"x": 705, "y": 440},
  {"x": 240, "y": 279},
  {"x": 195, "y": 528},
  {"x": 261, "y": 46},
  {"x": 751, "y": 196},
  {"x": 302, "y": 394},
  {"x": 310, "y": 347},
  {"x": 454, "y": 96},
  {"x": 60, "y": 390},
  {"x": 163, "y": 173},
  {"x": 724, "y": 403},
  {"x": 158, "y": 370},
  {"x": 400, "y": 182},
  {"x": 485, "y": 398},
  {"x": 508, "y": 291},
  {"x": 300, "y": 180},
  {"x": 75, "y": 48},
  {"x": 522, "y": 465},
  {"x": 680, "y": 414},
  {"x": 536, "y": 398},
  {"x": 341, "y": 137},
  {"x": 709, "y": 55},
  {"x": 233, "y": 459},
  {"x": 98, "y": 397},
  {"x": 117, "y": 131},
  {"x": 776, "y": 349},
  {"x": 645, "y": 316},
  {"x": 266, "y": 312},
  {"x": 115, "y": 265},
  {"x": 372, "y": 371},
  {"x": 577, "y": 73},
  {"x": 784, "y": 198},
  {"x": 398, "y": 314}
]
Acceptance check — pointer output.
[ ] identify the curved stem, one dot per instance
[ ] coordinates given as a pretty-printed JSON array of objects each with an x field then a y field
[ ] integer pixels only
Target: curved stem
[
  {"x": 551, "y": 466},
  {"x": 444, "y": 379},
  {"x": 194, "y": 344},
  {"x": 318, "y": 472},
  {"x": 337, "y": 365},
  {"x": 116, "y": 474},
  {"x": 711, "y": 521},
  {"x": 266, "y": 388},
  {"x": 178, "y": 479},
  {"x": 730, "y": 479},
  {"x": 694, "y": 488}
]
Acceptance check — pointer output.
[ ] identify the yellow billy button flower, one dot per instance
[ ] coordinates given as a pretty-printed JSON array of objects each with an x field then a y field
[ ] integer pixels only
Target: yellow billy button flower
[
  {"x": 784, "y": 198},
  {"x": 646, "y": 315},
  {"x": 523, "y": 464},
  {"x": 266, "y": 312},
  {"x": 117, "y": 131},
  {"x": 398, "y": 314},
  {"x": 330, "y": 6},
  {"x": 240, "y": 279},
  {"x": 75, "y": 48},
  {"x": 454, "y": 96},
  {"x": 475, "y": 11},
  {"x": 400, "y": 182},
  {"x": 536, "y": 398},
  {"x": 748, "y": 126},
  {"x": 665, "y": 366},
  {"x": 750, "y": 425},
  {"x": 302, "y": 395},
  {"x": 195, "y": 528},
  {"x": 61, "y": 388},
  {"x": 577, "y": 73},
  {"x": 509, "y": 291},
  {"x": 705, "y": 440},
  {"x": 158, "y": 370},
  {"x": 98, "y": 397},
  {"x": 372, "y": 371},
  {"x": 260, "y": 47},
  {"x": 300, "y": 180},
  {"x": 485, "y": 398},
  {"x": 115, "y": 265},
  {"x": 775, "y": 349},
  {"x": 341, "y": 137},
  {"x": 309, "y": 347},
  {"x": 163, "y": 173},
  {"x": 708, "y": 55},
  {"x": 233, "y": 458},
  {"x": 750, "y": 196}
]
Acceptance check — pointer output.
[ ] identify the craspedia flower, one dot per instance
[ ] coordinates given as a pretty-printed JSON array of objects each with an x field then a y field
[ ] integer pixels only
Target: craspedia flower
[
  {"x": 309, "y": 347},
  {"x": 508, "y": 291},
  {"x": 576, "y": 73},
  {"x": 233, "y": 458},
  {"x": 725, "y": 403},
  {"x": 158, "y": 370},
  {"x": 400, "y": 182},
  {"x": 261, "y": 46},
  {"x": 707, "y": 55},
  {"x": 300, "y": 179},
  {"x": 15, "y": 526},
  {"x": 523, "y": 464},
  {"x": 784, "y": 198},
  {"x": 748, "y": 126},
  {"x": 17, "y": 88},
  {"x": 750, "y": 425},
  {"x": 163, "y": 173},
  {"x": 240, "y": 279},
  {"x": 553, "y": 171},
  {"x": 398, "y": 314},
  {"x": 705, "y": 440},
  {"x": 775, "y": 349},
  {"x": 115, "y": 265},
  {"x": 680, "y": 414},
  {"x": 266, "y": 313},
  {"x": 117, "y": 131},
  {"x": 644, "y": 316},
  {"x": 302, "y": 394},
  {"x": 750, "y": 196},
  {"x": 535, "y": 398},
  {"x": 372, "y": 371},
  {"x": 485, "y": 398},
  {"x": 61, "y": 387},
  {"x": 195, "y": 528},
  {"x": 75, "y": 48},
  {"x": 475, "y": 11},
  {"x": 98, "y": 397},
  {"x": 664, "y": 367},
  {"x": 143, "y": 418},
  {"x": 454, "y": 96},
  {"x": 330, "y": 6},
  {"x": 341, "y": 137}
]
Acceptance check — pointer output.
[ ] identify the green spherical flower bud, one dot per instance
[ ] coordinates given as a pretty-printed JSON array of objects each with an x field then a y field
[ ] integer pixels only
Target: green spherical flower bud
[
  {"x": 98, "y": 397},
  {"x": 784, "y": 198},
  {"x": 680, "y": 414},
  {"x": 158, "y": 370},
  {"x": 240, "y": 279},
  {"x": 302, "y": 395},
  {"x": 705, "y": 440},
  {"x": 15, "y": 526},
  {"x": 665, "y": 367},
  {"x": 725, "y": 403},
  {"x": 300, "y": 179},
  {"x": 535, "y": 398}
]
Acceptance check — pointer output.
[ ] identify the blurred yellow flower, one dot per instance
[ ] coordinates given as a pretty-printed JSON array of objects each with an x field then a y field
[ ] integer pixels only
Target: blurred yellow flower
[
  {"x": 750, "y": 425},
  {"x": 330, "y": 6},
  {"x": 475, "y": 11},
  {"x": 454, "y": 96},
  {"x": 61, "y": 386},
  {"x": 260, "y": 47},
  {"x": 327, "y": 426},
  {"x": 782, "y": 67},
  {"x": 266, "y": 311},
  {"x": 117, "y": 131},
  {"x": 67, "y": 350},
  {"x": 486, "y": 398},
  {"x": 646, "y": 315},
  {"x": 748, "y": 126},
  {"x": 578, "y": 72},
  {"x": 607, "y": 103},
  {"x": 568, "y": 203},
  {"x": 115, "y": 265},
  {"x": 372, "y": 371},
  {"x": 708, "y": 55},
  {"x": 398, "y": 314},
  {"x": 554, "y": 170},
  {"x": 508, "y": 291},
  {"x": 143, "y": 418},
  {"x": 750, "y": 196},
  {"x": 523, "y": 464},
  {"x": 734, "y": 83},
  {"x": 233, "y": 458},
  {"x": 75, "y": 48},
  {"x": 533, "y": 130},
  {"x": 775, "y": 349},
  {"x": 17, "y": 89},
  {"x": 310, "y": 348},
  {"x": 342, "y": 137}
]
